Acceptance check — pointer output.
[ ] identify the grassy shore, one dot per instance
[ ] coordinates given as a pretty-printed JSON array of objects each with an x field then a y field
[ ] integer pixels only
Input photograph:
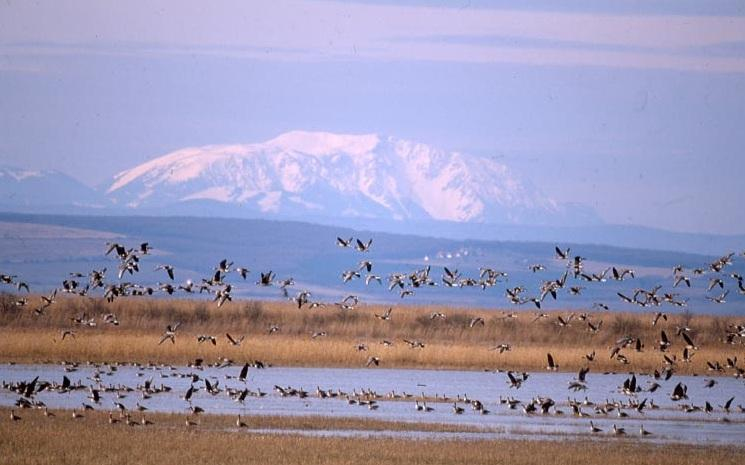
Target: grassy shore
[
  {"x": 449, "y": 343},
  {"x": 36, "y": 439}
]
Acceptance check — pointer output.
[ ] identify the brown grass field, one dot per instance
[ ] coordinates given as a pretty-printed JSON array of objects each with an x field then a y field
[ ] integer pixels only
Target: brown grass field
[
  {"x": 36, "y": 439},
  {"x": 449, "y": 342}
]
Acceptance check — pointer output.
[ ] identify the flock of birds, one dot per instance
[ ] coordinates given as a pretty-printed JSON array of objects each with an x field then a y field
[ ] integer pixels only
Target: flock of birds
[{"x": 219, "y": 287}]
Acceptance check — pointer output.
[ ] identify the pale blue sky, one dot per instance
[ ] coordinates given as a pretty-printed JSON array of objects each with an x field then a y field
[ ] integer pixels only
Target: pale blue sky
[{"x": 635, "y": 108}]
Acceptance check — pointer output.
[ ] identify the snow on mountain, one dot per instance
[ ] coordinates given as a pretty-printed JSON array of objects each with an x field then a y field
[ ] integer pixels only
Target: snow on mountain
[{"x": 304, "y": 173}]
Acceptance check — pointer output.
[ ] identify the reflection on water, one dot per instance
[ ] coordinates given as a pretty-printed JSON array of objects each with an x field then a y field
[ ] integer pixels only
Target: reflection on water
[{"x": 668, "y": 422}]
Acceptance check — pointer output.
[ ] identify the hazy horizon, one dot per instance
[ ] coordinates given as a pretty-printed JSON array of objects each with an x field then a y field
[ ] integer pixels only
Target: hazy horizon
[{"x": 632, "y": 109}]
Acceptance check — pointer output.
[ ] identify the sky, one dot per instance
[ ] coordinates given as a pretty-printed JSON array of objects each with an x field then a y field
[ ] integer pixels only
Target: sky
[{"x": 635, "y": 108}]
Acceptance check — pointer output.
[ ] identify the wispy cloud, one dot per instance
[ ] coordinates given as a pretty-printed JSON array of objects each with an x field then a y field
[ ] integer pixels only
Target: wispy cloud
[{"x": 318, "y": 31}]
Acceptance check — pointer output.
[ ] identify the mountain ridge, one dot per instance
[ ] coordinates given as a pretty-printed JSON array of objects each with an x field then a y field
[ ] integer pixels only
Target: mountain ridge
[{"x": 354, "y": 176}]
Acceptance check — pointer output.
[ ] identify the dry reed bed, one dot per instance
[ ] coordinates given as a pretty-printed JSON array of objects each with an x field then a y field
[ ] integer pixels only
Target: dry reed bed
[
  {"x": 449, "y": 343},
  {"x": 38, "y": 440},
  {"x": 213, "y": 422}
]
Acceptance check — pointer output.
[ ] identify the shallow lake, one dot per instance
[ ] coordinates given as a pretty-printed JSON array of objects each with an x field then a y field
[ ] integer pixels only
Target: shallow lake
[{"x": 668, "y": 423}]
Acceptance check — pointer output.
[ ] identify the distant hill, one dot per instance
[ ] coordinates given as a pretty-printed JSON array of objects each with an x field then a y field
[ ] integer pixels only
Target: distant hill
[
  {"x": 43, "y": 249},
  {"x": 23, "y": 190}
]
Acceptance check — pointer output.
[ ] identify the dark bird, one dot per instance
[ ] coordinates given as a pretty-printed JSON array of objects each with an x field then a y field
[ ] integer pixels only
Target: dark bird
[
  {"x": 233, "y": 341},
  {"x": 551, "y": 364},
  {"x": 343, "y": 242},
  {"x": 244, "y": 373}
]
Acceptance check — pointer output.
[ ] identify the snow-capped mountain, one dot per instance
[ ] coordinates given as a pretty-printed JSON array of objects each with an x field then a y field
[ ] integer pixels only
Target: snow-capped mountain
[
  {"x": 302, "y": 174},
  {"x": 44, "y": 190}
]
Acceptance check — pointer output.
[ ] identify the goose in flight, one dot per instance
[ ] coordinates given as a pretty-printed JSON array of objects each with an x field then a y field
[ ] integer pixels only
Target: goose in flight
[
  {"x": 46, "y": 301},
  {"x": 476, "y": 321},
  {"x": 562, "y": 254},
  {"x": 576, "y": 290},
  {"x": 242, "y": 271},
  {"x": 344, "y": 242},
  {"x": 167, "y": 288},
  {"x": 514, "y": 381},
  {"x": 318, "y": 334},
  {"x": 502, "y": 348},
  {"x": 715, "y": 282},
  {"x": 373, "y": 361},
  {"x": 594, "y": 328},
  {"x": 223, "y": 295},
  {"x": 244, "y": 373},
  {"x": 625, "y": 298},
  {"x": 553, "y": 366},
  {"x": 121, "y": 251},
  {"x": 204, "y": 337},
  {"x": 680, "y": 392},
  {"x": 664, "y": 343},
  {"x": 365, "y": 265},
  {"x": 170, "y": 333},
  {"x": 720, "y": 298},
  {"x": 619, "y": 275},
  {"x": 349, "y": 302},
  {"x": 266, "y": 279},
  {"x": 362, "y": 246},
  {"x": 727, "y": 404},
  {"x": 233, "y": 341},
  {"x": 168, "y": 269},
  {"x": 689, "y": 342},
  {"x": 349, "y": 275},
  {"x": 414, "y": 344},
  {"x": 657, "y": 317},
  {"x": 187, "y": 287},
  {"x": 224, "y": 266},
  {"x": 385, "y": 316},
  {"x": 561, "y": 322}
]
